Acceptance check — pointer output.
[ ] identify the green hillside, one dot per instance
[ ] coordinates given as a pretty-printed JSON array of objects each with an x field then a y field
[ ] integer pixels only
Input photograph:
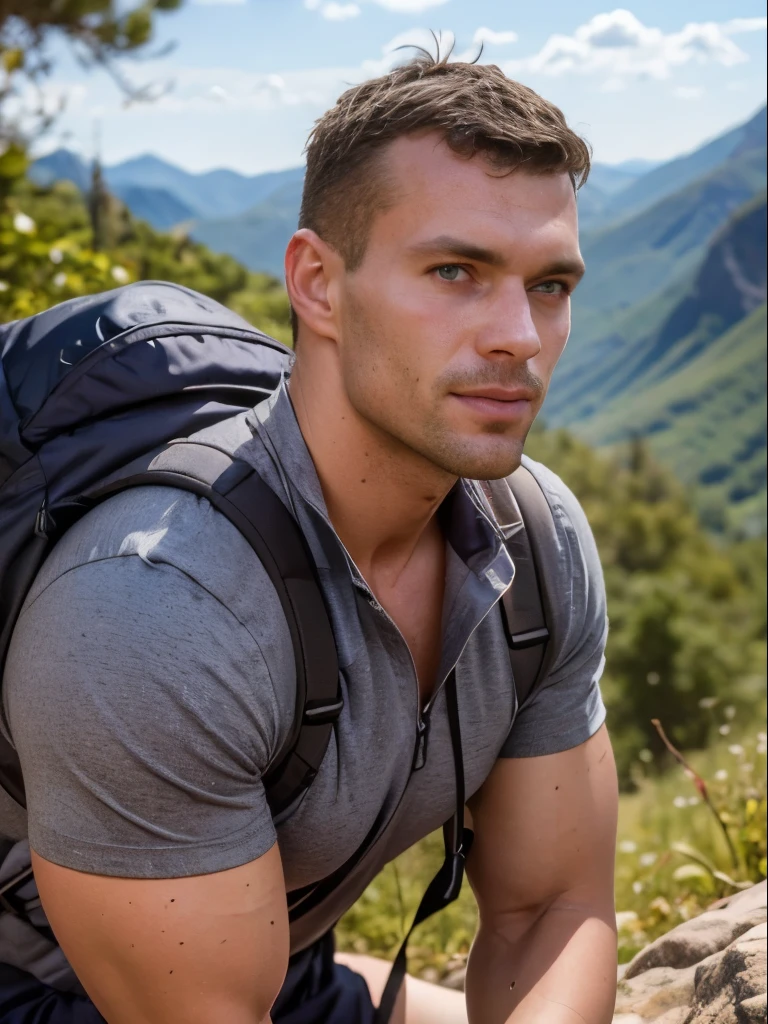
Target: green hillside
[
  {"x": 258, "y": 238},
  {"x": 687, "y": 370},
  {"x": 632, "y": 260},
  {"x": 676, "y": 174},
  {"x": 707, "y": 421}
]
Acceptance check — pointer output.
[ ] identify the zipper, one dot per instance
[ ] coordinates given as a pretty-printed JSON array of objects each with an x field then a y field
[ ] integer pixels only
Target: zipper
[{"x": 311, "y": 896}]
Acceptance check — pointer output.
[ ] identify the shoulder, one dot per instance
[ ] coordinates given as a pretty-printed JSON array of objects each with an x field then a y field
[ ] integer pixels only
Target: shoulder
[
  {"x": 565, "y": 506},
  {"x": 157, "y": 584}
]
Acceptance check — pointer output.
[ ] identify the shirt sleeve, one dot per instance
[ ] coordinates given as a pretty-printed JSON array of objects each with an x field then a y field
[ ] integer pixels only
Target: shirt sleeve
[
  {"x": 144, "y": 715},
  {"x": 567, "y": 707}
]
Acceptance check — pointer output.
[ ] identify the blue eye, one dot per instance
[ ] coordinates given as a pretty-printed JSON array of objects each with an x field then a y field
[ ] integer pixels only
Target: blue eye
[
  {"x": 449, "y": 272},
  {"x": 550, "y": 288}
]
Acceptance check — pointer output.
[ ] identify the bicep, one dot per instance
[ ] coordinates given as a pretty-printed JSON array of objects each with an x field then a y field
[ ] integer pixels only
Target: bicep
[
  {"x": 545, "y": 827},
  {"x": 173, "y": 951}
]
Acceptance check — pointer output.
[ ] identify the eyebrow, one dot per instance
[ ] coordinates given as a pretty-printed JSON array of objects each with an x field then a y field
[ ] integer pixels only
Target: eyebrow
[{"x": 447, "y": 244}]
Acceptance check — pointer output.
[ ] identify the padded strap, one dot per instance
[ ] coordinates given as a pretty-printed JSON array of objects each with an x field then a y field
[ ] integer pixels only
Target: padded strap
[
  {"x": 238, "y": 492},
  {"x": 525, "y": 520}
]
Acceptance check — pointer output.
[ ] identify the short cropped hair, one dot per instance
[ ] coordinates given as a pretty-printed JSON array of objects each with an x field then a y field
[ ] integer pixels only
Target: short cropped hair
[{"x": 475, "y": 108}]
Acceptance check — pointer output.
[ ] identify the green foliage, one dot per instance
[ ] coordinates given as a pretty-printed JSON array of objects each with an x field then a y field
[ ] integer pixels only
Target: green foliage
[
  {"x": 47, "y": 256},
  {"x": 673, "y": 861},
  {"x": 98, "y": 30},
  {"x": 687, "y": 612}
]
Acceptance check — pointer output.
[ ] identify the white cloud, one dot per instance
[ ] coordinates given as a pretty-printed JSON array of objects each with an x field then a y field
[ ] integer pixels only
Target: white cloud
[
  {"x": 398, "y": 6},
  {"x": 219, "y": 3},
  {"x": 619, "y": 44},
  {"x": 332, "y": 10},
  {"x": 339, "y": 12},
  {"x": 737, "y": 25},
  {"x": 218, "y": 92},
  {"x": 409, "y": 6},
  {"x": 688, "y": 92},
  {"x": 487, "y": 35}
]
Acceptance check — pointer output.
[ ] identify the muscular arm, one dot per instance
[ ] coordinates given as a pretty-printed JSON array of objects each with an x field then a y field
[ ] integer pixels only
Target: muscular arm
[
  {"x": 173, "y": 951},
  {"x": 542, "y": 869}
]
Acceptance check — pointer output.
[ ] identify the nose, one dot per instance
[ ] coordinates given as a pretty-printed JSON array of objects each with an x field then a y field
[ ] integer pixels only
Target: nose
[{"x": 509, "y": 329}]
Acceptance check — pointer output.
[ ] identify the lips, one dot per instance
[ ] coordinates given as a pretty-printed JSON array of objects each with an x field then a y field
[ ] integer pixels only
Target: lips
[
  {"x": 498, "y": 394},
  {"x": 496, "y": 403}
]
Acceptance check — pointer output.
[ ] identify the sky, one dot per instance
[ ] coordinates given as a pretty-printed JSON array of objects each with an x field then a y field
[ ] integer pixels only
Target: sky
[{"x": 246, "y": 79}]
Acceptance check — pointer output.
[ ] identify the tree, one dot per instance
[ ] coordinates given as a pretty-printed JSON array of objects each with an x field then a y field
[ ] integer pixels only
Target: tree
[{"x": 99, "y": 31}]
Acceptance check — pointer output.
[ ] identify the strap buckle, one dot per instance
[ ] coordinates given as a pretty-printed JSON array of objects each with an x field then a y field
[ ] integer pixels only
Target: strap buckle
[
  {"x": 10, "y": 901},
  {"x": 532, "y": 638},
  {"x": 321, "y": 713}
]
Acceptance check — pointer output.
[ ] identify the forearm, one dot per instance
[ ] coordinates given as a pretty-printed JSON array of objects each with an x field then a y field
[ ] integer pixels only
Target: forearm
[{"x": 555, "y": 968}]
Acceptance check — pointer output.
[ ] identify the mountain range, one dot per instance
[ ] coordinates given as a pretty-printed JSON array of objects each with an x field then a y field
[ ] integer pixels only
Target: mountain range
[{"x": 669, "y": 327}]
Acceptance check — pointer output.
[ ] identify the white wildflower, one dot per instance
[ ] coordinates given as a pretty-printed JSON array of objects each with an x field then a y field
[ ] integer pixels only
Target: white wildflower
[
  {"x": 680, "y": 801},
  {"x": 627, "y": 846},
  {"x": 645, "y": 755},
  {"x": 4, "y": 286},
  {"x": 637, "y": 888},
  {"x": 730, "y": 712},
  {"x": 693, "y": 800},
  {"x": 724, "y": 730},
  {"x": 709, "y": 702},
  {"x": 24, "y": 224},
  {"x": 120, "y": 274},
  {"x": 625, "y": 918},
  {"x": 653, "y": 678},
  {"x": 721, "y": 775},
  {"x": 60, "y": 279},
  {"x": 647, "y": 859},
  {"x": 762, "y": 737},
  {"x": 55, "y": 255},
  {"x": 736, "y": 749}
]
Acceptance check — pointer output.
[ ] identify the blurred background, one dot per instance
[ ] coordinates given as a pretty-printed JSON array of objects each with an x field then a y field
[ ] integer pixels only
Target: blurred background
[{"x": 164, "y": 139}]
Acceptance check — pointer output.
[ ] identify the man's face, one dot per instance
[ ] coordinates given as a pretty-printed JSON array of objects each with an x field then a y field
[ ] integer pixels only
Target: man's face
[{"x": 453, "y": 323}]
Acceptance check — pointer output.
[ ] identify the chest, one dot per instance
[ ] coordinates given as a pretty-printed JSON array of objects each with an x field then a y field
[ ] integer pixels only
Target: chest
[{"x": 416, "y": 608}]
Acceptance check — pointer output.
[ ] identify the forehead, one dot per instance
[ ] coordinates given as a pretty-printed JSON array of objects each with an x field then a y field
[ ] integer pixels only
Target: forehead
[{"x": 436, "y": 191}]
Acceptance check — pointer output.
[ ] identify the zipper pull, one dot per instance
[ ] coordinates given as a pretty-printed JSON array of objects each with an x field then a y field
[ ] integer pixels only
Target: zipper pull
[
  {"x": 422, "y": 735},
  {"x": 44, "y": 522}
]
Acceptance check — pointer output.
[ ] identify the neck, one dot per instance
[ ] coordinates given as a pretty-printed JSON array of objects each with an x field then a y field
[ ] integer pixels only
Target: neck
[{"x": 381, "y": 496}]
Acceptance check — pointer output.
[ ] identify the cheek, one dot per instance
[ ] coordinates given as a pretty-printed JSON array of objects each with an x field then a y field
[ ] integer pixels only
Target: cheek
[{"x": 552, "y": 327}]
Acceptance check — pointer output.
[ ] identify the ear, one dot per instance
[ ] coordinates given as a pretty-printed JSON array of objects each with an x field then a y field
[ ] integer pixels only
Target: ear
[{"x": 310, "y": 268}]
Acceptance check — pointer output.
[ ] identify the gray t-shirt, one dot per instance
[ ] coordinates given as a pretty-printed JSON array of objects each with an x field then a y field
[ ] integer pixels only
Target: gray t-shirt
[{"x": 151, "y": 681}]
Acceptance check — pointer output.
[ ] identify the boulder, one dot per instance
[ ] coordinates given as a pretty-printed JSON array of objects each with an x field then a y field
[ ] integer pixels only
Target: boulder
[{"x": 710, "y": 970}]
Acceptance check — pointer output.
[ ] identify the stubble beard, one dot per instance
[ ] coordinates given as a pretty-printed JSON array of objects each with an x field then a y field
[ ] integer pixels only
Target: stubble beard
[{"x": 490, "y": 455}]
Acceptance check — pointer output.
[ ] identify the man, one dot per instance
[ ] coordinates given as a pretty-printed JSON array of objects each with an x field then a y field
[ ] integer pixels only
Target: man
[{"x": 150, "y": 681}]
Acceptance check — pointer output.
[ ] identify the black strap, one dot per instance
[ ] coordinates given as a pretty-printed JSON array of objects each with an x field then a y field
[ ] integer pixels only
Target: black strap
[
  {"x": 525, "y": 519},
  {"x": 446, "y": 885},
  {"x": 238, "y": 492}
]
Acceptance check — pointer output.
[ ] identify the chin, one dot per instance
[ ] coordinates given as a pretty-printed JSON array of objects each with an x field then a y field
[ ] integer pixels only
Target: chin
[{"x": 492, "y": 463}]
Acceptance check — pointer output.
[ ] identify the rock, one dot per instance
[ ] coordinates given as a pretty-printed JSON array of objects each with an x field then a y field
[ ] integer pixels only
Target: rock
[
  {"x": 731, "y": 978},
  {"x": 693, "y": 941},
  {"x": 709, "y": 970},
  {"x": 753, "y": 1011},
  {"x": 656, "y": 991}
]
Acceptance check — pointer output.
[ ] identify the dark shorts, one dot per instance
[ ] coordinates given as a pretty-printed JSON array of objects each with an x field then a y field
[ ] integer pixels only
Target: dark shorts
[{"x": 317, "y": 990}]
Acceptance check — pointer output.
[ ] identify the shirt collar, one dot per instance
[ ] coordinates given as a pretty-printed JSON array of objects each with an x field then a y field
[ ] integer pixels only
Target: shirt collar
[{"x": 466, "y": 516}]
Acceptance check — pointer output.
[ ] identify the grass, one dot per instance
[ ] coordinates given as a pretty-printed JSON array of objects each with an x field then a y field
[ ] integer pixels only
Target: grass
[{"x": 672, "y": 861}]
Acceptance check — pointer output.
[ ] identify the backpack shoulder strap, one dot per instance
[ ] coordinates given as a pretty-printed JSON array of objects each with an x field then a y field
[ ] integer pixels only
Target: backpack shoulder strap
[
  {"x": 525, "y": 519},
  {"x": 237, "y": 491}
]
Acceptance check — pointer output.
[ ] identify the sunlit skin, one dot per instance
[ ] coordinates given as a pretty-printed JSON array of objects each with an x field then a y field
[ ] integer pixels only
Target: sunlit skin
[{"x": 465, "y": 286}]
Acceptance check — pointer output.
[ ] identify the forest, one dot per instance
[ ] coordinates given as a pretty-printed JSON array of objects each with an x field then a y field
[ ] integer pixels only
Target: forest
[{"x": 686, "y": 597}]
